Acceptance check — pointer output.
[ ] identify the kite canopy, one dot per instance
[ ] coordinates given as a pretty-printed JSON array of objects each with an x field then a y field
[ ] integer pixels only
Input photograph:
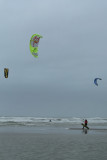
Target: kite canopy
[
  {"x": 95, "y": 81},
  {"x": 6, "y": 72},
  {"x": 34, "y": 41}
]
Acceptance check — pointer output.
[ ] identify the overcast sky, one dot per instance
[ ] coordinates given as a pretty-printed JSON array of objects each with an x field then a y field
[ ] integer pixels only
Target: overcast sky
[{"x": 72, "y": 52}]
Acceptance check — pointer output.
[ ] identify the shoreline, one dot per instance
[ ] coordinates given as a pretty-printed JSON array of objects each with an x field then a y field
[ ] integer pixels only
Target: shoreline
[{"x": 51, "y": 130}]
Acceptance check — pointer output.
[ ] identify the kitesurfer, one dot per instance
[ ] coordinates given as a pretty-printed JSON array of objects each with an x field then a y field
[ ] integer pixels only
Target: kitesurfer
[{"x": 85, "y": 123}]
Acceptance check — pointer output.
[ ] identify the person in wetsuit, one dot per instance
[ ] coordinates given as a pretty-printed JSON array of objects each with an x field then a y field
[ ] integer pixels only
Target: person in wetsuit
[{"x": 85, "y": 123}]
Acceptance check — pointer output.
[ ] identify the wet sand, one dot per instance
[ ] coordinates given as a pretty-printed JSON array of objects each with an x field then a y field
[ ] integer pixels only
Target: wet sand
[{"x": 67, "y": 145}]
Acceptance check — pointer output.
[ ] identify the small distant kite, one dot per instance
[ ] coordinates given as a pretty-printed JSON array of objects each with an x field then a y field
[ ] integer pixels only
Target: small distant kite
[
  {"x": 34, "y": 41},
  {"x": 6, "y": 72},
  {"x": 95, "y": 81}
]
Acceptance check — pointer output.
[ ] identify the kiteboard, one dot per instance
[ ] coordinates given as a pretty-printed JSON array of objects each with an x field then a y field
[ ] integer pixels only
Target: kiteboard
[{"x": 84, "y": 125}]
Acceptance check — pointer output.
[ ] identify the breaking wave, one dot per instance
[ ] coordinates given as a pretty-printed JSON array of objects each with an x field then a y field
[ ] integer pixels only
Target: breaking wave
[{"x": 34, "y": 121}]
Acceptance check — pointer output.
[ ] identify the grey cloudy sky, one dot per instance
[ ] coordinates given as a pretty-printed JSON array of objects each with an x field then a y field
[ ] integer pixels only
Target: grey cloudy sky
[{"x": 72, "y": 53}]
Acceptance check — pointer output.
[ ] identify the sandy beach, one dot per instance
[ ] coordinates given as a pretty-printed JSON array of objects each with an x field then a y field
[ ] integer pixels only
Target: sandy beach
[{"x": 67, "y": 145}]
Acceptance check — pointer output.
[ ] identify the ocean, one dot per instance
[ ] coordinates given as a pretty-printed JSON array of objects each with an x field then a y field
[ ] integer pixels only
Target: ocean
[
  {"x": 32, "y": 138},
  {"x": 43, "y": 121}
]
